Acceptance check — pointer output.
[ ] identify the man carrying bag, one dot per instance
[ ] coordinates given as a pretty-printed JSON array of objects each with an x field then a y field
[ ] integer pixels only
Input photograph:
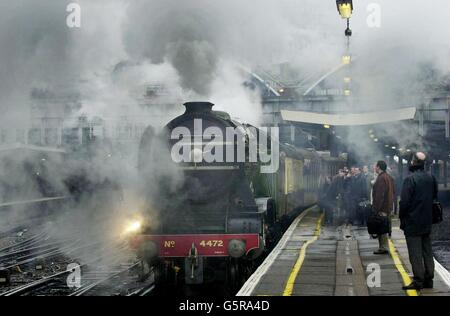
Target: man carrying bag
[{"x": 382, "y": 201}]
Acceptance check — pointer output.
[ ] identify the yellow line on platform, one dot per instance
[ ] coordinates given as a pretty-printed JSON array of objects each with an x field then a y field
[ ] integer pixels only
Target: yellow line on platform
[
  {"x": 289, "y": 288},
  {"x": 398, "y": 264}
]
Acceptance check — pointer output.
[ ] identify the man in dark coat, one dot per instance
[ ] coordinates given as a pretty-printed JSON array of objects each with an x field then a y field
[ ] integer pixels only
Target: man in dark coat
[
  {"x": 383, "y": 201},
  {"x": 419, "y": 191},
  {"x": 326, "y": 199},
  {"x": 347, "y": 195},
  {"x": 359, "y": 195}
]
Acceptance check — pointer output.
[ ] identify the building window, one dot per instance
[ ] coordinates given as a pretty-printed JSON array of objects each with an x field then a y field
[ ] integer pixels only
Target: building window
[
  {"x": 34, "y": 136},
  {"x": 3, "y": 136},
  {"x": 20, "y": 136},
  {"x": 51, "y": 136}
]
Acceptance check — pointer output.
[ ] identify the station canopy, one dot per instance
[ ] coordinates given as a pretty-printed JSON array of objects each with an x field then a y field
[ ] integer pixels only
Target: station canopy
[{"x": 350, "y": 119}]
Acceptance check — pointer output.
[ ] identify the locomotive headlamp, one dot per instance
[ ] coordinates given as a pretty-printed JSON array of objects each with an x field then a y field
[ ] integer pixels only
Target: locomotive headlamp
[
  {"x": 133, "y": 227},
  {"x": 236, "y": 248},
  {"x": 345, "y": 8}
]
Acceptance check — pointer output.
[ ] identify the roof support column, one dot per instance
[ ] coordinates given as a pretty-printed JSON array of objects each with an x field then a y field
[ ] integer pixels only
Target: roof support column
[
  {"x": 421, "y": 118},
  {"x": 447, "y": 122},
  {"x": 445, "y": 173}
]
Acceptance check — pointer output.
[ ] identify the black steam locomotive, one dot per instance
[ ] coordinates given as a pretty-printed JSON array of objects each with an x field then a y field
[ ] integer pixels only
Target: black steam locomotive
[{"x": 224, "y": 210}]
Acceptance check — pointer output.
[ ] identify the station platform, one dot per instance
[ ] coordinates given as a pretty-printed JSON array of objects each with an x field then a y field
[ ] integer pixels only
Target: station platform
[{"x": 316, "y": 260}]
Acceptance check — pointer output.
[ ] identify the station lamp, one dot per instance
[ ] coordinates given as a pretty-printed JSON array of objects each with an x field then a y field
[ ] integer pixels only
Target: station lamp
[
  {"x": 346, "y": 59},
  {"x": 347, "y": 80},
  {"x": 345, "y": 8},
  {"x": 347, "y": 93}
]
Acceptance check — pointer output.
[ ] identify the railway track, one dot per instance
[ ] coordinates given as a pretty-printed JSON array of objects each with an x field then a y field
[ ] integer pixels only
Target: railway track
[
  {"x": 96, "y": 279},
  {"x": 36, "y": 259},
  {"x": 122, "y": 282}
]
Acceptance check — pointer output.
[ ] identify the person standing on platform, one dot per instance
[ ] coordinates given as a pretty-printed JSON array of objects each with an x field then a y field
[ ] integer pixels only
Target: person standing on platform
[
  {"x": 326, "y": 201},
  {"x": 361, "y": 196},
  {"x": 368, "y": 177},
  {"x": 383, "y": 201},
  {"x": 419, "y": 191},
  {"x": 347, "y": 195}
]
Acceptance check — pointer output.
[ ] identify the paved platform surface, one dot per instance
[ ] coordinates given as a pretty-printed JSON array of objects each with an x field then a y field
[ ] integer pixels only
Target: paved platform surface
[{"x": 316, "y": 260}]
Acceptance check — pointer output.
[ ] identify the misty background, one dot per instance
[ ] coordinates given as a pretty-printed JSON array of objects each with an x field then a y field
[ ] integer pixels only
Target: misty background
[{"x": 197, "y": 50}]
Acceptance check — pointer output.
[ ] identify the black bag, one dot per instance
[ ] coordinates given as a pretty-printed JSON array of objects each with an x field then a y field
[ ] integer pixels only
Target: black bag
[
  {"x": 437, "y": 213},
  {"x": 378, "y": 225}
]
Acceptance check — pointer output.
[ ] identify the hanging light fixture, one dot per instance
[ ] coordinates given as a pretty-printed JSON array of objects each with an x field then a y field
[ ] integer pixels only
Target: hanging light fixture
[
  {"x": 346, "y": 59},
  {"x": 345, "y": 8}
]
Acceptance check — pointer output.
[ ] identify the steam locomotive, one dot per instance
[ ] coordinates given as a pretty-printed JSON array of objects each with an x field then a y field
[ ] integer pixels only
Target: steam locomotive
[{"x": 222, "y": 216}]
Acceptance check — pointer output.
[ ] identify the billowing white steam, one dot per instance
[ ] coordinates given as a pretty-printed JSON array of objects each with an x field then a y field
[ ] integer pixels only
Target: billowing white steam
[{"x": 196, "y": 49}]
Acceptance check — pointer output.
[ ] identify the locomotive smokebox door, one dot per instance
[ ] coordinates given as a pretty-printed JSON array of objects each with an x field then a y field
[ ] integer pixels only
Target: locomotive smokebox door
[{"x": 193, "y": 271}]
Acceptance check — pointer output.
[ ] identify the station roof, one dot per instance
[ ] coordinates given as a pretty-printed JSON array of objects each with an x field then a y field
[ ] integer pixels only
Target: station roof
[
  {"x": 350, "y": 119},
  {"x": 30, "y": 148}
]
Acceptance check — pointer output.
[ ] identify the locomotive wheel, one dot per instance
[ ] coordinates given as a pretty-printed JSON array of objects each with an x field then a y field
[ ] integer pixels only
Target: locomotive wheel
[{"x": 165, "y": 276}]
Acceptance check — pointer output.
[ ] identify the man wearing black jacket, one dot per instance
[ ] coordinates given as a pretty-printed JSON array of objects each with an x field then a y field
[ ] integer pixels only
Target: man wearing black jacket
[{"x": 416, "y": 208}]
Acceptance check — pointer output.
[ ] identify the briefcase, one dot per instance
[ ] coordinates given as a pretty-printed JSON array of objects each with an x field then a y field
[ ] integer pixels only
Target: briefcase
[
  {"x": 437, "y": 213},
  {"x": 378, "y": 225}
]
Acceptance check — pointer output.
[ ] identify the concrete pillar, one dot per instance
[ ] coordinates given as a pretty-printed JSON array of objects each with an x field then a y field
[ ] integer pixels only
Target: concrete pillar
[
  {"x": 80, "y": 134},
  {"x": 400, "y": 170},
  {"x": 421, "y": 125},
  {"x": 447, "y": 125},
  {"x": 445, "y": 173},
  {"x": 43, "y": 125}
]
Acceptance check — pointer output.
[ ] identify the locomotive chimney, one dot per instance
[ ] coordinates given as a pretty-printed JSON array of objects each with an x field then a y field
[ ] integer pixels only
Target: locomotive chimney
[{"x": 198, "y": 107}]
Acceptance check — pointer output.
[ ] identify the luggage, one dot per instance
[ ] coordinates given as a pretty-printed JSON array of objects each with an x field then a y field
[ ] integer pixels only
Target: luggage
[
  {"x": 378, "y": 224},
  {"x": 437, "y": 213}
]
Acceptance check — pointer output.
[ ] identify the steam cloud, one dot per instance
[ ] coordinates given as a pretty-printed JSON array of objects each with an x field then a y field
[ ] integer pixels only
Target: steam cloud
[{"x": 197, "y": 49}]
